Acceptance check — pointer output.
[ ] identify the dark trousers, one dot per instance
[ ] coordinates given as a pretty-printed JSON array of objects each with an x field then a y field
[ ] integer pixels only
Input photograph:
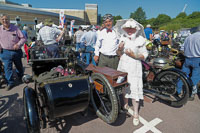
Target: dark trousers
[
  {"x": 9, "y": 57},
  {"x": 53, "y": 50}
]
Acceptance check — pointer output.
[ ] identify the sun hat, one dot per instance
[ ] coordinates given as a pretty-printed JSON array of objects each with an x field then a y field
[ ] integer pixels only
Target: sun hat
[
  {"x": 130, "y": 24},
  {"x": 48, "y": 22}
]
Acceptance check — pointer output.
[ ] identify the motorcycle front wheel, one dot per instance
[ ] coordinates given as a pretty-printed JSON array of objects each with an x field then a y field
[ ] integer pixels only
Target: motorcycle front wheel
[
  {"x": 30, "y": 110},
  {"x": 175, "y": 86}
]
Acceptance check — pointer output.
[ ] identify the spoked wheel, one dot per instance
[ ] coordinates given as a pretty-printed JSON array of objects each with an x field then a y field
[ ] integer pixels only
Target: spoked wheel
[
  {"x": 30, "y": 110},
  {"x": 104, "y": 99},
  {"x": 175, "y": 86}
]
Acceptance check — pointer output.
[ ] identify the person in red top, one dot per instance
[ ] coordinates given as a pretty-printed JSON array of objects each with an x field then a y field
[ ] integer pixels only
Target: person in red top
[{"x": 11, "y": 41}]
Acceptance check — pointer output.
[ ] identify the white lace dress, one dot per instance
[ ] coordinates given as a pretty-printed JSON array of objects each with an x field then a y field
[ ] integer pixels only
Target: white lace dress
[{"x": 133, "y": 67}]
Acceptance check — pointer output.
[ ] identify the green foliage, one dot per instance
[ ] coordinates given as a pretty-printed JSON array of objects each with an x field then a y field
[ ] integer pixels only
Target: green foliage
[
  {"x": 164, "y": 22},
  {"x": 161, "y": 19},
  {"x": 101, "y": 21},
  {"x": 181, "y": 15},
  {"x": 115, "y": 18},
  {"x": 139, "y": 15},
  {"x": 194, "y": 15},
  {"x": 186, "y": 22}
]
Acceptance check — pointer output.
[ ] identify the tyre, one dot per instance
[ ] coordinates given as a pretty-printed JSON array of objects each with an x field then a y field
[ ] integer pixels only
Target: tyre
[
  {"x": 30, "y": 110},
  {"x": 104, "y": 102},
  {"x": 175, "y": 86}
]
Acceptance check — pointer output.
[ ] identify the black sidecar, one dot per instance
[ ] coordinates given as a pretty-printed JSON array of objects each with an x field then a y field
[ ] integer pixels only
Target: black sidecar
[{"x": 64, "y": 86}]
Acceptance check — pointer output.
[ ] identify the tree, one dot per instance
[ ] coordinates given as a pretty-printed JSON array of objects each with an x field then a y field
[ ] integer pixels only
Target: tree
[
  {"x": 115, "y": 18},
  {"x": 181, "y": 15},
  {"x": 151, "y": 22},
  {"x": 139, "y": 15},
  {"x": 194, "y": 15},
  {"x": 162, "y": 19}
]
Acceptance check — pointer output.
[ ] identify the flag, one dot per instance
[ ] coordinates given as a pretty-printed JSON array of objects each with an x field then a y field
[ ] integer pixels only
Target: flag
[
  {"x": 61, "y": 18},
  {"x": 72, "y": 26}
]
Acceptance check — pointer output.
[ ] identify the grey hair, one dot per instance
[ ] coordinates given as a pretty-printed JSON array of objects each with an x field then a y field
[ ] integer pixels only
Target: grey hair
[{"x": 2, "y": 15}]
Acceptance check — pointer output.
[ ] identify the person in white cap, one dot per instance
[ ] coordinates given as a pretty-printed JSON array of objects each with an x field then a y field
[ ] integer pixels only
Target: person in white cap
[
  {"x": 132, "y": 50},
  {"x": 106, "y": 45},
  {"x": 148, "y": 32}
]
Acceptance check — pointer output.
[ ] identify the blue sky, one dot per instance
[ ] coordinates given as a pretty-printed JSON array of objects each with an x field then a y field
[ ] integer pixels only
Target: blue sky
[{"x": 123, "y": 8}]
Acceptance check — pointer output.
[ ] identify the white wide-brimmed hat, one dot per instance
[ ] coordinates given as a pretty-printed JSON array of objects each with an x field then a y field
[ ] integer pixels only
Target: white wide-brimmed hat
[
  {"x": 122, "y": 23},
  {"x": 130, "y": 23}
]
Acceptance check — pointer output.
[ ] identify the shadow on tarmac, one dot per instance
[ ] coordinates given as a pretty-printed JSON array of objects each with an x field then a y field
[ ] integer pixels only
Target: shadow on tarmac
[
  {"x": 64, "y": 125},
  {"x": 11, "y": 114}
]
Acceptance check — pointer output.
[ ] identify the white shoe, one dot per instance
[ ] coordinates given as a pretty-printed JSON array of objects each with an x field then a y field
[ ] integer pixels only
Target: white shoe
[
  {"x": 136, "y": 121},
  {"x": 129, "y": 110}
]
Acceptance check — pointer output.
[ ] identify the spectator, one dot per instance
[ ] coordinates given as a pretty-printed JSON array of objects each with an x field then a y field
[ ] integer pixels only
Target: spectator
[
  {"x": 156, "y": 35},
  {"x": 107, "y": 44},
  {"x": 148, "y": 32},
  {"x": 132, "y": 50},
  {"x": 175, "y": 35},
  {"x": 77, "y": 37},
  {"x": 89, "y": 39},
  {"x": 165, "y": 36},
  {"x": 11, "y": 41},
  {"x": 67, "y": 37},
  {"x": 24, "y": 31},
  {"x": 191, "y": 48},
  {"x": 27, "y": 47},
  {"x": 50, "y": 37}
]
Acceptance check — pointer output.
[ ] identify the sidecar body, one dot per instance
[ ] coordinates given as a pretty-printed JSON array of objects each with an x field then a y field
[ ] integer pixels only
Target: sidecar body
[{"x": 65, "y": 86}]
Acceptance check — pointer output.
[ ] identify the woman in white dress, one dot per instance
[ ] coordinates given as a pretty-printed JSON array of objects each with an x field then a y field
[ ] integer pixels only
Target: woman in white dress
[{"x": 132, "y": 50}]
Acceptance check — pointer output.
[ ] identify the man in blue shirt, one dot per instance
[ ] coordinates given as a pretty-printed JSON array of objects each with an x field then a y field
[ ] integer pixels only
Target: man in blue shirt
[
  {"x": 148, "y": 32},
  {"x": 191, "y": 48},
  {"x": 89, "y": 40}
]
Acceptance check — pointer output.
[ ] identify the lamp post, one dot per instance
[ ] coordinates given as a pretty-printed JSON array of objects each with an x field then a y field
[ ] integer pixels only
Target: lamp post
[
  {"x": 18, "y": 19},
  {"x": 36, "y": 21}
]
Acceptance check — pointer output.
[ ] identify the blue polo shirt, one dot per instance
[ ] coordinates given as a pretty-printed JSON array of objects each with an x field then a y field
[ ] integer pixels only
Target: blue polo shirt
[{"x": 147, "y": 32}]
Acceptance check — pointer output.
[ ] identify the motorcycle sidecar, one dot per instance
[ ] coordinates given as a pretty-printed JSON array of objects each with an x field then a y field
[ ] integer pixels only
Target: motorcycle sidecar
[{"x": 56, "y": 94}]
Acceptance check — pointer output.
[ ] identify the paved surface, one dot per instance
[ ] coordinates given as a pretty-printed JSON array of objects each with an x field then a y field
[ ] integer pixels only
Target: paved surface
[{"x": 155, "y": 117}]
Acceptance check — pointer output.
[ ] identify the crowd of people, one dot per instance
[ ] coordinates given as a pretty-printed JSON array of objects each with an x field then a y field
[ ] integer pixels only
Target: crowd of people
[{"x": 100, "y": 46}]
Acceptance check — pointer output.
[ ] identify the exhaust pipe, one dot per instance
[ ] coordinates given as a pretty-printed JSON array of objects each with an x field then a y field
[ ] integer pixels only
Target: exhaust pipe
[{"x": 156, "y": 93}]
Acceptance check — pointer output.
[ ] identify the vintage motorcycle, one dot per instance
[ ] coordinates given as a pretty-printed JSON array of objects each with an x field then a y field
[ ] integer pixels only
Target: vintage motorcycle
[
  {"x": 64, "y": 86},
  {"x": 162, "y": 80}
]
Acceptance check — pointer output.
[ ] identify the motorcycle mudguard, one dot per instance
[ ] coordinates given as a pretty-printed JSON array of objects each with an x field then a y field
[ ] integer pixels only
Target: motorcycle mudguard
[
  {"x": 185, "y": 76},
  {"x": 31, "y": 109}
]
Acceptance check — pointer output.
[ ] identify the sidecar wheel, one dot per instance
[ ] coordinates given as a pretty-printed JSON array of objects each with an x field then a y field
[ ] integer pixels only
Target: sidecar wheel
[
  {"x": 30, "y": 110},
  {"x": 104, "y": 102},
  {"x": 170, "y": 79}
]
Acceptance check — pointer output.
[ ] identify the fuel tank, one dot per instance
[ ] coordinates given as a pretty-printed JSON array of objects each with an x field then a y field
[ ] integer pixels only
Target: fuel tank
[{"x": 67, "y": 97}]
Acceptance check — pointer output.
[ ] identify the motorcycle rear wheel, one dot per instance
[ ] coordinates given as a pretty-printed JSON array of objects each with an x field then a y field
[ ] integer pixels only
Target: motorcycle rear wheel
[
  {"x": 170, "y": 79},
  {"x": 105, "y": 103}
]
